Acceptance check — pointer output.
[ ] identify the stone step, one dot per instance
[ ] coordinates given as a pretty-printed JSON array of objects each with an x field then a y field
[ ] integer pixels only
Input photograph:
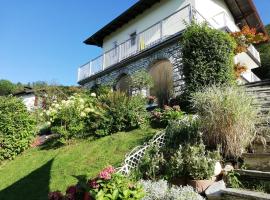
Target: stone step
[
  {"x": 254, "y": 174},
  {"x": 257, "y": 161},
  {"x": 240, "y": 194}
]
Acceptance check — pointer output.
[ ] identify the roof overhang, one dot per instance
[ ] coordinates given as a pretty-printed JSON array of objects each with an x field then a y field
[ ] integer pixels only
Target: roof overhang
[
  {"x": 125, "y": 17},
  {"x": 245, "y": 13}
]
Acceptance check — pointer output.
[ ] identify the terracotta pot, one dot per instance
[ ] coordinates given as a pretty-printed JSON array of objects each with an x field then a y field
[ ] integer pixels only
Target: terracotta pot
[
  {"x": 200, "y": 185},
  {"x": 179, "y": 181}
]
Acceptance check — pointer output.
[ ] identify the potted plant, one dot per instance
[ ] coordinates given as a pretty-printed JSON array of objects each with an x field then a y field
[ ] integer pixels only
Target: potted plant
[{"x": 200, "y": 166}]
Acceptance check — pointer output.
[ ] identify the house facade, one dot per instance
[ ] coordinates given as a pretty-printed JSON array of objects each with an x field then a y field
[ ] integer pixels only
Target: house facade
[
  {"x": 31, "y": 100},
  {"x": 146, "y": 36}
]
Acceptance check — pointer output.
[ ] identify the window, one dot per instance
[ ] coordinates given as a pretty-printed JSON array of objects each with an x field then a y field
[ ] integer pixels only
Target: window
[{"x": 133, "y": 38}]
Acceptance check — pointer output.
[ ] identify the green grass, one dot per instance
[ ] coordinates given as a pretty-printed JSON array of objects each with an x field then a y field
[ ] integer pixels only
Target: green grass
[{"x": 37, "y": 171}]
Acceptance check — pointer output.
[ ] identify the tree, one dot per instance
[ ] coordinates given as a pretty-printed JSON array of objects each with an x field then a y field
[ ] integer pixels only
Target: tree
[
  {"x": 264, "y": 71},
  {"x": 6, "y": 87}
]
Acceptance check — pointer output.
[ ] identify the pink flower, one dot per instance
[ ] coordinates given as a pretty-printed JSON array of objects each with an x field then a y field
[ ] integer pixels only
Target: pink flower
[
  {"x": 93, "y": 184},
  {"x": 106, "y": 173}
]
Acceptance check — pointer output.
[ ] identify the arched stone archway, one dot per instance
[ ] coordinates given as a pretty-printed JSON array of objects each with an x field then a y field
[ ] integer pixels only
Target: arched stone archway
[
  {"x": 123, "y": 84},
  {"x": 162, "y": 74}
]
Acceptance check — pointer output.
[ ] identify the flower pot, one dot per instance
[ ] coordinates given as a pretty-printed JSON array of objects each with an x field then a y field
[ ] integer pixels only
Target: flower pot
[
  {"x": 179, "y": 181},
  {"x": 200, "y": 185}
]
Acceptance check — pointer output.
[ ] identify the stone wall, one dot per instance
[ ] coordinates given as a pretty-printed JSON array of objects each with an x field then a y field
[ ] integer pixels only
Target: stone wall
[{"x": 171, "y": 52}]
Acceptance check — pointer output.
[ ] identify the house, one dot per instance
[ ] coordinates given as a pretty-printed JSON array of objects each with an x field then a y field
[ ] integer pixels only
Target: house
[
  {"x": 31, "y": 99},
  {"x": 146, "y": 37}
]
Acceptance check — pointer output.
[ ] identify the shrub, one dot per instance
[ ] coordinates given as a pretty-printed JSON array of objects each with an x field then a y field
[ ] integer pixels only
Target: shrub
[
  {"x": 227, "y": 118},
  {"x": 152, "y": 165},
  {"x": 160, "y": 190},
  {"x": 17, "y": 127},
  {"x": 199, "y": 163},
  {"x": 107, "y": 185},
  {"x": 122, "y": 112},
  {"x": 183, "y": 131},
  {"x": 141, "y": 79},
  {"x": 76, "y": 117},
  {"x": 162, "y": 117},
  {"x": 110, "y": 185},
  {"x": 194, "y": 162},
  {"x": 207, "y": 57}
]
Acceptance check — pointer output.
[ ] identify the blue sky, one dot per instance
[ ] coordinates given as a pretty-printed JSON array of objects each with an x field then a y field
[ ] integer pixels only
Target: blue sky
[{"x": 42, "y": 40}]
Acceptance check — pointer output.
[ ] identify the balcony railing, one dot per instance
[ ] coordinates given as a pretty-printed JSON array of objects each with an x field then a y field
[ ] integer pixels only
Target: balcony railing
[
  {"x": 153, "y": 35},
  {"x": 250, "y": 77},
  {"x": 253, "y": 51},
  {"x": 161, "y": 31}
]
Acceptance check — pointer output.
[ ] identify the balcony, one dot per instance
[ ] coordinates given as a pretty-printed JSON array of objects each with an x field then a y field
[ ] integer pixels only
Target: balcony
[{"x": 157, "y": 33}]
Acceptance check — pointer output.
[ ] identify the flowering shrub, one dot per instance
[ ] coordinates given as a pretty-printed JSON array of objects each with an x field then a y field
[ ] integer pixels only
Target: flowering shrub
[
  {"x": 110, "y": 185},
  {"x": 160, "y": 190},
  {"x": 246, "y": 37},
  {"x": 75, "y": 117},
  {"x": 17, "y": 127},
  {"x": 161, "y": 117},
  {"x": 107, "y": 185},
  {"x": 122, "y": 112}
]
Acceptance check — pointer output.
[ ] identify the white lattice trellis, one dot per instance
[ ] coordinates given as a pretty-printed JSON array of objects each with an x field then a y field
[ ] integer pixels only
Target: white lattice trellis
[{"x": 133, "y": 158}]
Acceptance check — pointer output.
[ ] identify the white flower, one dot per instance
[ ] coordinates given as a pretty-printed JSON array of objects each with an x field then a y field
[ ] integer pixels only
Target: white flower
[
  {"x": 48, "y": 112},
  {"x": 81, "y": 100},
  {"x": 88, "y": 110},
  {"x": 83, "y": 114},
  {"x": 48, "y": 123},
  {"x": 93, "y": 94}
]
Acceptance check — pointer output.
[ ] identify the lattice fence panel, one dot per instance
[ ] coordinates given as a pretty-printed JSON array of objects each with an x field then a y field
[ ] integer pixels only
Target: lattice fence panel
[{"x": 133, "y": 158}]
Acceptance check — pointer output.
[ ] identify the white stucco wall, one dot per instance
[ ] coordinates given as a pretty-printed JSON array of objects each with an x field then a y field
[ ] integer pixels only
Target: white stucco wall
[
  {"x": 29, "y": 101},
  {"x": 245, "y": 59},
  {"x": 151, "y": 16},
  {"x": 216, "y": 12}
]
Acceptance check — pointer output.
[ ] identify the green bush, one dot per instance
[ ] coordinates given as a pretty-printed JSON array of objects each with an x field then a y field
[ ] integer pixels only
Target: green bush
[
  {"x": 199, "y": 163},
  {"x": 152, "y": 165},
  {"x": 207, "y": 57},
  {"x": 227, "y": 118},
  {"x": 76, "y": 117},
  {"x": 181, "y": 132},
  {"x": 162, "y": 117},
  {"x": 17, "y": 127},
  {"x": 122, "y": 112}
]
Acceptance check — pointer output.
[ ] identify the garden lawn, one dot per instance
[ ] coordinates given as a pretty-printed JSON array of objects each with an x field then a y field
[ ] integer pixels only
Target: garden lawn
[{"x": 37, "y": 171}]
